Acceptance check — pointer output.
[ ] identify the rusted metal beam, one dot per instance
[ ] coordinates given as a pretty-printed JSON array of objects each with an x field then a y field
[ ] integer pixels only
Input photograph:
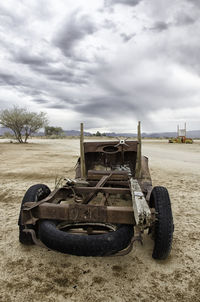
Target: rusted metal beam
[
  {"x": 116, "y": 175},
  {"x": 141, "y": 209},
  {"x": 100, "y": 146},
  {"x": 79, "y": 213},
  {"x": 122, "y": 215},
  {"x": 123, "y": 183},
  {"x": 102, "y": 190},
  {"x": 101, "y": 183}
]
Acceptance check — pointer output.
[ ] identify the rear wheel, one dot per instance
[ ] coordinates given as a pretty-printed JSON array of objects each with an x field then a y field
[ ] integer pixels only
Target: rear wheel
[
  {"x": 163, "y": 227},
  {"x": 33, "y": 194}
]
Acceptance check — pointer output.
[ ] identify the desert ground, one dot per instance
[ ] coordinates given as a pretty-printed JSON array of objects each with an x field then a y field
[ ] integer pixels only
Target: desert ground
[{"x": 32, "y": 273}]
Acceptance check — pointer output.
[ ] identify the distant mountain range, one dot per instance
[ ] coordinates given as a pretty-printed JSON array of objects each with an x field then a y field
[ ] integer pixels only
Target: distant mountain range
[{"x": 191, "y": 134}]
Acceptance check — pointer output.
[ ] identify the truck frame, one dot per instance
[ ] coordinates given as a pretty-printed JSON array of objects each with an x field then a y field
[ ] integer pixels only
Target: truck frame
[{"x": 104, "y": 209}]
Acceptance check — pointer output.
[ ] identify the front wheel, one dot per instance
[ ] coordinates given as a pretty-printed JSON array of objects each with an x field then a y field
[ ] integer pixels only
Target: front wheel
[
  {"x": 163, "y": 227},
  {"x": 33, "y": 194}
]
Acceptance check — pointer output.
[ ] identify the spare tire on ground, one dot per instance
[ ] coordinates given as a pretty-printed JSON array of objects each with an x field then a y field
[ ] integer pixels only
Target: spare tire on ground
[{"x": 85, "y": 244}]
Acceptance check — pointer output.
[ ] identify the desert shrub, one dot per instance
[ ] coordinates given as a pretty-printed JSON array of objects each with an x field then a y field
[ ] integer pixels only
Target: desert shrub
[{"x": 22, "y": 122}]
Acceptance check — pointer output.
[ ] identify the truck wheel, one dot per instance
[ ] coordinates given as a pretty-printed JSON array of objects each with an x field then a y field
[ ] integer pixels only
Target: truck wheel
[
  {"x": 33, "y": 194},
  {"x": 163, "y": 227},
  {"x": 91, "y": 244}
]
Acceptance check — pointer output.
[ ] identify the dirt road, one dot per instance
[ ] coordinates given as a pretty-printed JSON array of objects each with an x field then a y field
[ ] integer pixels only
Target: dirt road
[{"x": 36, "y": 274}]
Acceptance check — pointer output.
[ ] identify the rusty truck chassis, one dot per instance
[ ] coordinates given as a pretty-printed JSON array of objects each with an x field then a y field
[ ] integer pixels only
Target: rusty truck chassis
[
  {"x": 50, "y": 208},
  {"x": 134, "y": 182}
]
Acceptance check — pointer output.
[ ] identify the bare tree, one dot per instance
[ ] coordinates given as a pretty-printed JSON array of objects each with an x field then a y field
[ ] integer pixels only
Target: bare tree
[{"x": 22, "y": 122}]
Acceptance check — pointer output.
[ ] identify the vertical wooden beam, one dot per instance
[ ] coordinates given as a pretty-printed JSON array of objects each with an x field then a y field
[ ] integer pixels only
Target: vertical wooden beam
[
  {"x": 82, "y": 155},
  {"x": 139, "y": 152}
]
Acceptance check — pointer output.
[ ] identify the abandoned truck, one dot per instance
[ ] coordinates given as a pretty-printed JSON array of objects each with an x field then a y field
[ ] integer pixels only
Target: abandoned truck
[{"x": 102, "y": 211}]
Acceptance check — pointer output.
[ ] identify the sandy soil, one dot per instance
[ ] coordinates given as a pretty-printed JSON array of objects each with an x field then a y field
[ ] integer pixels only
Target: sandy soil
[{"x": 36, "y": 274}]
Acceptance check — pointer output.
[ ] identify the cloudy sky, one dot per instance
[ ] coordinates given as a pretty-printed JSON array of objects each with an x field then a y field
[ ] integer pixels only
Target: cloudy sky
[{"x": 107, "y": 63}]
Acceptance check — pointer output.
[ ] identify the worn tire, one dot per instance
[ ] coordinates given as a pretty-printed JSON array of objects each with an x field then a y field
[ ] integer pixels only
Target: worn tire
[
  {"x": 163, "y": 227},
  {"x": 85, "y": 245},
  {"x": 33, "y": 194}
]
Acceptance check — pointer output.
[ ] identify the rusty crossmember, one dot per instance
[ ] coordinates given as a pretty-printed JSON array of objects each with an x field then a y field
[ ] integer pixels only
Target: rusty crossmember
[
  {"x": 116, "y": 175},
  {"x": 120, "y": 183},
  {"x": 102, "y": 190},
  {"x": 78, "y": 213}
]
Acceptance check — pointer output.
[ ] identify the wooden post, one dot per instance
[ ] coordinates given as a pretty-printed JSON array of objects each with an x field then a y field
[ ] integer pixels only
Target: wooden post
[
  {"x": 82, "y": 155},
  {"x": 139, "y": 152}
]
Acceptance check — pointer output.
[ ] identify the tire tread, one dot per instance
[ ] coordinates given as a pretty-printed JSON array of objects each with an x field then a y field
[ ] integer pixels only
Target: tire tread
[
  {"x": 85, "y": 245},
  {"x": 164, "y": 223}
]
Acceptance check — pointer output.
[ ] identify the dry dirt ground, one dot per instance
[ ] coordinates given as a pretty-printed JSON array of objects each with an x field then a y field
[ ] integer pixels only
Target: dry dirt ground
[{"x": 31, "y": 273}]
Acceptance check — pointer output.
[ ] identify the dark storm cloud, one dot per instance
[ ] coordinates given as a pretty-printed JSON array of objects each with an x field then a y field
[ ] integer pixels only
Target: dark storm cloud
[
  {"x": 61, "y": 74},
  {"x": 139, "y": 97},
  {"x": 29, "y": 59},
  {"x": 126, "y": 37},
  {"x": 19, "y": 82},
  {"x": 188, "y": 55},
  {"x": 22, "y": 84},
  {"x": 55, "y": 97},
  {"x": 196, "y": 3},
  {"x": 75, "y": 29},
  {"x": 67, "y": 79},
  {"x": 44, "y": 65},
  {"x": 181, "y": 19},
  {"x": 58, "y": 101},
  {"x": 57, "y": 106},
  {"x": 160, "y": 26},
  {"x": 107, "y": 106},
  {"x": 123, "y": 2},
  {"x": 32, "y": 89},
  {"x": 10, "y": 80},
  {"x": 41, "y": 101},
  {"x": 184, "y": 19}
]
